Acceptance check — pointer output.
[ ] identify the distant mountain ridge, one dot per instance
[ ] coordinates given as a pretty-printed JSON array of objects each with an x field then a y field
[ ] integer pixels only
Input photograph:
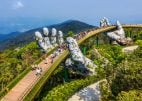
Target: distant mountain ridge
[
  {"x": 28, "y": 36},
  {"x": 4, "y": 37}
]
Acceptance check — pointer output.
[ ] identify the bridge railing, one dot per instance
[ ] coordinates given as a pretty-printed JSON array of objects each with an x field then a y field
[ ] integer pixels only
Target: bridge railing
[{"x": 28, "y": 89}]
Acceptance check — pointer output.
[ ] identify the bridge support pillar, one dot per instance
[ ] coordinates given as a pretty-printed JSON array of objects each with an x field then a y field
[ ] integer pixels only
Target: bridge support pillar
[
  {"x": 97, "y": 41},
  {"x": 66, "y": 75}
]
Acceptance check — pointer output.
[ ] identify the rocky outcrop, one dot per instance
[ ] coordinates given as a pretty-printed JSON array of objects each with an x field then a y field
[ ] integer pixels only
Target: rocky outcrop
[
  {"x": 129, "y": 49},
  {"x": 89, "y": 93}
]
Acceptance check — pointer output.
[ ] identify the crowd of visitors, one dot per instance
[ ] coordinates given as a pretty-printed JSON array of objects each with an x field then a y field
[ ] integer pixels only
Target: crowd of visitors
[
  {"x": 37, "y": 69},
  {"x": 80, "y": 35},
  {"x": 58, "y": 51},
  {"x": 47, "y": 60}
]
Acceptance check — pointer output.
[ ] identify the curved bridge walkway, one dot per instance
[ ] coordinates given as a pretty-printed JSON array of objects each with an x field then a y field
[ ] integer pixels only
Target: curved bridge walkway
[
  {"x": 23, "y": 87},
  {"x": 27, "y": 84}
]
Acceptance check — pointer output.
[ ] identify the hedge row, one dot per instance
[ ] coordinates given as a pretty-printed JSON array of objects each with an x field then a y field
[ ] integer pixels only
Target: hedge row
[{"x": 65, "y": 91}]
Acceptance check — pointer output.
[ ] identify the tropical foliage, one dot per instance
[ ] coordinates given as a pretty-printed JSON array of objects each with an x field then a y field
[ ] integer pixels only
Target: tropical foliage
[
  {"x": 125, "y": 75},
  {"x": 14, "y": 62},
  {"x": 132, "y": 95}
]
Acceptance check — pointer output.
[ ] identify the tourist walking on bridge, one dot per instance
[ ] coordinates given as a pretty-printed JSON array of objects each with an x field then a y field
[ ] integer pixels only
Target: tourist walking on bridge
[
  {"x": 52, "y": 58},
  {"x": 38, "y": 71},
  {"x": 46, "y": 61}
]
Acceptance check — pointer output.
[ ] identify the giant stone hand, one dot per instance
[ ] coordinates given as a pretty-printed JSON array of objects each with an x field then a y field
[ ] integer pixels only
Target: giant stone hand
[{"x": 53, "y": 37}]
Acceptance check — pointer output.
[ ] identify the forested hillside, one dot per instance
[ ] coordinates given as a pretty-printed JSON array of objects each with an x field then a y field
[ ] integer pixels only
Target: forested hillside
[{"x": 15, "y": 62}]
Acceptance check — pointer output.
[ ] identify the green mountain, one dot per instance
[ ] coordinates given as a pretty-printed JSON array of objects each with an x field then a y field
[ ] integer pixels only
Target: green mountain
[
  {"x": 4, "y": 37},
  {"x": 28, "y": 36}
]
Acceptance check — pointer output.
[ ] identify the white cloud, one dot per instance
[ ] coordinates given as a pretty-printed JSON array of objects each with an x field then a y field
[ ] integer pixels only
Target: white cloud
[{"x": 18, "y": 5}]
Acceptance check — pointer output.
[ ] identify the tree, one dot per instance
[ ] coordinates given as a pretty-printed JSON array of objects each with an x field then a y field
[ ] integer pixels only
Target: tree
[
  {"x": 70, "y": 34},
  {"x": 132, "y": 95},
  {"x": 128, "y": 74},
  {"x": 139, "y": 42}
]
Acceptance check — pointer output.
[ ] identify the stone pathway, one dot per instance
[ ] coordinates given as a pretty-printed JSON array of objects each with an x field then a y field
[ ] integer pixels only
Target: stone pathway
[{"x": 90, "y": 93}]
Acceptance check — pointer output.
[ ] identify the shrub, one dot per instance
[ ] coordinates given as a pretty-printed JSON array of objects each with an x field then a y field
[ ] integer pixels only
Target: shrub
[{"x": 132, "y": 95}]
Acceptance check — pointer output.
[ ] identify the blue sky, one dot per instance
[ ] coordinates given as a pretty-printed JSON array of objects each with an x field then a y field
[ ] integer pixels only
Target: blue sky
[{"x": 90, "y": 11}]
